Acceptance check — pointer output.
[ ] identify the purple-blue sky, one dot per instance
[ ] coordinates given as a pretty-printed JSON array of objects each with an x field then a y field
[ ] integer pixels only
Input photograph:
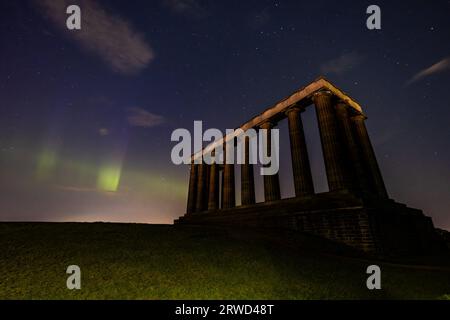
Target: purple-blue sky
[{"x": 86, "y": 116}]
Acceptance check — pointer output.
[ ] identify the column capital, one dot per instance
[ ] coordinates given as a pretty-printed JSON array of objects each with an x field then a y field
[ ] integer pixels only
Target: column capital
[
  {"x": 294, "y": 108},
  {"x": 322, "y": 93},
  {"x": 268, "y": 124}
]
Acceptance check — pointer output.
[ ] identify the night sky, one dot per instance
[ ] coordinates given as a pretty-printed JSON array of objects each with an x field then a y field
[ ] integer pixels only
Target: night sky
[{"x": 86, "y": 116}]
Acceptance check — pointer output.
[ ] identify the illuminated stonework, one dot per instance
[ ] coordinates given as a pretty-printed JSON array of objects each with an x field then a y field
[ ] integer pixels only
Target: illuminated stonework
[{"x": 356, "y": 211}]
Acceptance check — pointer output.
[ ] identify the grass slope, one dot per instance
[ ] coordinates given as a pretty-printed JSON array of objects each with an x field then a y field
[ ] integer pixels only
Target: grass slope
[{"x": 126, "y": 261}]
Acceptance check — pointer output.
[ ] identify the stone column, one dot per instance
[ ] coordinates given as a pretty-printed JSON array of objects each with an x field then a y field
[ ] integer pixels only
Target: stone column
[
  {"x": 192, "y": 193},
  {"x": 206, "y": 197},
  {"x": 222, "y": 185},
  {"x": 359, "y": 182},
  {"x": 229, "y": 195},
  {"x": 213, "y": 199},
  {"x": 331, "y": 144},
  {"x": 369, "y": 156},
  {"x": 247, "y": 178},
  {"x": 201, "y": 188},
  {"x": 301, "y": 168},
  {"x": 271, "y": 183}
]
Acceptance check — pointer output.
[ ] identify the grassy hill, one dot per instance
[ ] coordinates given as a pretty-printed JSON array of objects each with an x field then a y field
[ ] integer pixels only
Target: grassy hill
[{"x": 126, "y": 261}]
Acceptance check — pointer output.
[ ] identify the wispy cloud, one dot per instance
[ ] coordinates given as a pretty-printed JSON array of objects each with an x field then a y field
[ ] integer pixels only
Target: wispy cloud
[
  {"x": 108, "y": 36},
  {"x": 142, "y": 118},
  {"x": 191, "y": 8},
  {"x": 342, "y": 64},
  {"x": 438, "y": 67}
]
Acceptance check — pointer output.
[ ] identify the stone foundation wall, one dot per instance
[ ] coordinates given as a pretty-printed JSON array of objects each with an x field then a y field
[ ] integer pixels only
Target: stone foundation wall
[
  {"x": 405, "y": 230},
  {"x": 351, "y": 227},
  {"x": 386, "y": 228}
]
